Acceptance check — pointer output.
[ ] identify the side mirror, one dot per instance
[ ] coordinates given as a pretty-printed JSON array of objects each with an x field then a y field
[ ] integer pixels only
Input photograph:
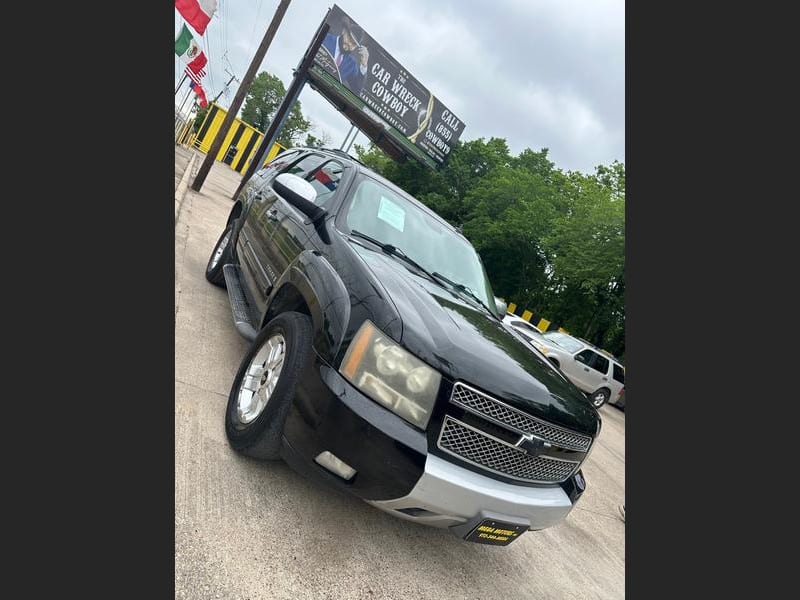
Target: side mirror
[
  {"x": 299, "y": 193},
  {"x": 501, "y": 305}
]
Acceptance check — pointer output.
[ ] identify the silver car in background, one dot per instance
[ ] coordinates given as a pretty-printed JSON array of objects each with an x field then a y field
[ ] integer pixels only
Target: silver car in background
[{"x": 594, "y": 371}]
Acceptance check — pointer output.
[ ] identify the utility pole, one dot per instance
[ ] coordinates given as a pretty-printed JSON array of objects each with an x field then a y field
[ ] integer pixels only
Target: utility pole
[
  {"x": 226, "y": 85},
  {"x": 244, "y": 87},
  {"x": 271, "y": 134}
]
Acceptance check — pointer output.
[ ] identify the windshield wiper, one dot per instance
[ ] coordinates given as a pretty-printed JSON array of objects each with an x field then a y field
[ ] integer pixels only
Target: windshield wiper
[
  {"x": 434, "y": 276},
  {"x": 463, "y": 289},
  {"x": 395, "y": 251}
]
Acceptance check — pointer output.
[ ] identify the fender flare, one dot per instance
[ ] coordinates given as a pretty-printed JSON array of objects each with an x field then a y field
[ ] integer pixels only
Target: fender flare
[{"x": 326, "y": 297}]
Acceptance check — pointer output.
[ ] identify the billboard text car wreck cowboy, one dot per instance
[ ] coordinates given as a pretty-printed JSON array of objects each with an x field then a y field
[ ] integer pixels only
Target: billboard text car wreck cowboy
[{"x": 360, "y": 64}]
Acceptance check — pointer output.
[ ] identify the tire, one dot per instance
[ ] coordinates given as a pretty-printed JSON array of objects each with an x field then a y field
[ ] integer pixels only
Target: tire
[
  {"x": 255, "y": 426},
  {"x": 220, "y": 256},
  {"x": 599, "y": 397}
]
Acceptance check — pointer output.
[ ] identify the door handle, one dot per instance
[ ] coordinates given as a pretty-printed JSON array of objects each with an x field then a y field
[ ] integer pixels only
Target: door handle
[
  {"x": 605, "y": 378},
  {"x": 272, "y": 215},
  {"x": 586, "y": 369}
]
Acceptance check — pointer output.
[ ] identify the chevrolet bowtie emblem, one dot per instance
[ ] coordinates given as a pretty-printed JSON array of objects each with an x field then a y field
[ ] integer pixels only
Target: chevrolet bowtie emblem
[{"x": 533, "y": 445}]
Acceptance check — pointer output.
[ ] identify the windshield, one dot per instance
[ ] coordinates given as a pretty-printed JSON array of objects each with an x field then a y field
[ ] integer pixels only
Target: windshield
[
  {"x": 568, "y": 343},
  {"x": 386, "y": 216}
]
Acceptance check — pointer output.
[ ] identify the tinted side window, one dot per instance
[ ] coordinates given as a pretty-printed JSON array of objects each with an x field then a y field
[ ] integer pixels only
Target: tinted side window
[
  {"x": 619, "y": 373},
  {"x": 304, "y": 166},
  {"x": 277, "y": 164},
  {"x": 600, "y": 363},
  {"x": 585, "y": 357},
  {"x": 325, "y": 180}
]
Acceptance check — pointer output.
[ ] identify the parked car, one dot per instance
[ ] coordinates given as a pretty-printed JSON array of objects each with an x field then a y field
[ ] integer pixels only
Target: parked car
[
  {"x": 522, "y": 326},
  {"x": 591, "y": 369},
  {"x": 379, "y": 361}
]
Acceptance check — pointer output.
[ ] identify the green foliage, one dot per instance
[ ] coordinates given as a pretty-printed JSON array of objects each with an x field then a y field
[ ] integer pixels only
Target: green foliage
[
  {"x": 199, "y": 118},
  {"x": 263, "y": 99},
  {"x": 552, "y": 242},
  {"x": 313, "y": 141}
]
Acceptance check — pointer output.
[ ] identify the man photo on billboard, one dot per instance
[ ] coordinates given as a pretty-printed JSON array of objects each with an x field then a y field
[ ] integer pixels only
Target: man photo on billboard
[{"x": 348, "y": 54}]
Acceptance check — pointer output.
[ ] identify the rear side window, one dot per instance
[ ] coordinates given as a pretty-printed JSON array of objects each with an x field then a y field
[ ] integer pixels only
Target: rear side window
[
  {"x": 600, "y": 363},
  {"x": 619, "y": 373}
]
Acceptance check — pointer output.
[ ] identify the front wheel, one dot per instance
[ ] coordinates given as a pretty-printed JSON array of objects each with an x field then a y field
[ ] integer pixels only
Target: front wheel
[
  {"x": 600, "y": 397},
  {"x": 263, "y": 389},
  {"x": 220, "y": 256}
]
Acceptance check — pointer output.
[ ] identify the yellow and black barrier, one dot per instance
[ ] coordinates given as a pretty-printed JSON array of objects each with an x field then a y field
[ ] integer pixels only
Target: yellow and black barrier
[
  {"x": 244, "y": 137},
  {"x": 535, "y": 320}
]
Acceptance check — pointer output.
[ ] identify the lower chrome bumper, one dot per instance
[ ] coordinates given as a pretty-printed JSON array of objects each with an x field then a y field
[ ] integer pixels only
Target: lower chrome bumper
[{"x": 448, "y": 495}]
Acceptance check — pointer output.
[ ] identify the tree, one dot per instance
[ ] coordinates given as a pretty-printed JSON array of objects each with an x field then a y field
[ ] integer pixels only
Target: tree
[
  {"x": 263, "y": 99},
  {"x": 323, "y": 141},
  {"x": 199, "y": 118}
]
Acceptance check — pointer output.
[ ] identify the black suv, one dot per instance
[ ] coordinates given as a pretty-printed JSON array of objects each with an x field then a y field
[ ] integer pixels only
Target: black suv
[{"x": 379, "y": 361}]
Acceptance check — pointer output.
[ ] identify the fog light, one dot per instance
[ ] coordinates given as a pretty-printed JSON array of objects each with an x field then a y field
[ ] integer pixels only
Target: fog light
[{"x": 335, "y": 465}]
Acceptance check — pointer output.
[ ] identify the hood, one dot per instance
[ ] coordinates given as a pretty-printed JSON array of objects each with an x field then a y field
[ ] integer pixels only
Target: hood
[{"x": 464, "y": 343}]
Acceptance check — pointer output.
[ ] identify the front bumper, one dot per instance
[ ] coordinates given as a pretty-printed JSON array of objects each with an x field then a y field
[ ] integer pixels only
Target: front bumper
[
  {"x": 449, "y": 496},
  {"x": 394, "y": 470}
]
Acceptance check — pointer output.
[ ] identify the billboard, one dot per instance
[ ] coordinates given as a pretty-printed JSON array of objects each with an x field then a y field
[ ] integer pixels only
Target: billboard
[{"x": 350, "y": 59}]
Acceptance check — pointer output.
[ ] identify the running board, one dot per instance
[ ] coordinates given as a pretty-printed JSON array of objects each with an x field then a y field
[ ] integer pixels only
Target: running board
[{"x": 244, "y": 315}]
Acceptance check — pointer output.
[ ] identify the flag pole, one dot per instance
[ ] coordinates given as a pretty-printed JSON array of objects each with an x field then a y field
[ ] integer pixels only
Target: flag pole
[
  {"x": 185, "y": 76},
  {"x": 185, "y": 98}
]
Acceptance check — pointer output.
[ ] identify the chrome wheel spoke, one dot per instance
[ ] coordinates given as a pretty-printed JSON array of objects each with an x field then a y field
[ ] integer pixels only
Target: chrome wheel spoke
[{"x": 261, "y": 379}]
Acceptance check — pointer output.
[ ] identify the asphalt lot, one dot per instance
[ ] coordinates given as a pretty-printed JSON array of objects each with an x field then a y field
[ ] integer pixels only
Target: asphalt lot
[{"x": 251, "y": 529}]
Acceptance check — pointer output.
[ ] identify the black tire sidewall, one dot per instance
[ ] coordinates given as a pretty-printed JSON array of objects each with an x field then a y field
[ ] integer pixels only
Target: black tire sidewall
[
  {"x": 216, "y": 275},
  {"x": 262, "y": 437}
]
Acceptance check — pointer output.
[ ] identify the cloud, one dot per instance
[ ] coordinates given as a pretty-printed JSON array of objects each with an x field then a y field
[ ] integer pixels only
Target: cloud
[{"x": 540, "y": 74}]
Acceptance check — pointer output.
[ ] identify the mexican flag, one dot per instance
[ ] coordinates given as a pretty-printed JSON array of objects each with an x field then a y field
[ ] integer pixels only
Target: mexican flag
[
  {"x": 197, "y": 12},
  {"x": 187, "y": 47}
]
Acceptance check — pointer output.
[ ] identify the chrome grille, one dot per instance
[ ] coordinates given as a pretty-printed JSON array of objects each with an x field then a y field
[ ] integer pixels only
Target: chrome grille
[
  {"x": 493, "y": 454},
  {"x": 506, "y": 415}
]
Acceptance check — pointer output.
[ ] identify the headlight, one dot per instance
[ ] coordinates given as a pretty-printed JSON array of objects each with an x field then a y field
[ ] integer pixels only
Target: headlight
[{"x": 388, "y": 374}]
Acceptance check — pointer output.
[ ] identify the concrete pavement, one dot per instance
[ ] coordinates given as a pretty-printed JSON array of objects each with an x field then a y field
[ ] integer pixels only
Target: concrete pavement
[{"x": 251, "y": 529}]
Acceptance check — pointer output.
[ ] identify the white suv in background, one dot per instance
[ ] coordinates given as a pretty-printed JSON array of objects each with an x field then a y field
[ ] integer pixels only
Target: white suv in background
[
  {"x": 594, "y": 371},
  {"x": 520, "y": 325}
]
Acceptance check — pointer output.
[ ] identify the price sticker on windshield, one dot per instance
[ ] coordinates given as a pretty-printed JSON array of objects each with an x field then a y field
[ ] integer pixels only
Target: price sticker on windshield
[{"x": 391, "y": 213}]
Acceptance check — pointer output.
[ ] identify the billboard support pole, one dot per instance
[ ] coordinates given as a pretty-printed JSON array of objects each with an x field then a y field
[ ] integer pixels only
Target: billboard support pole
[
  {"x": 353, "y": 139},
  {"x": 344, "y": 141},
  {"x": 271, "y": 134}
]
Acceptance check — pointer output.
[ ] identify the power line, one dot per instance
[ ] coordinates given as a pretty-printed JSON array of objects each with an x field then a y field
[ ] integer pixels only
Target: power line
[
  {"x": 207, "y": 48},
  {"x": 253, "y": 32},
  {"x": 225, "y": 28}
]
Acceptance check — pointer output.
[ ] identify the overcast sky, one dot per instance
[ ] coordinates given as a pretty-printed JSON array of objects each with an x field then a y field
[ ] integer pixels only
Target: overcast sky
[{"x": 540, "y": 73}]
